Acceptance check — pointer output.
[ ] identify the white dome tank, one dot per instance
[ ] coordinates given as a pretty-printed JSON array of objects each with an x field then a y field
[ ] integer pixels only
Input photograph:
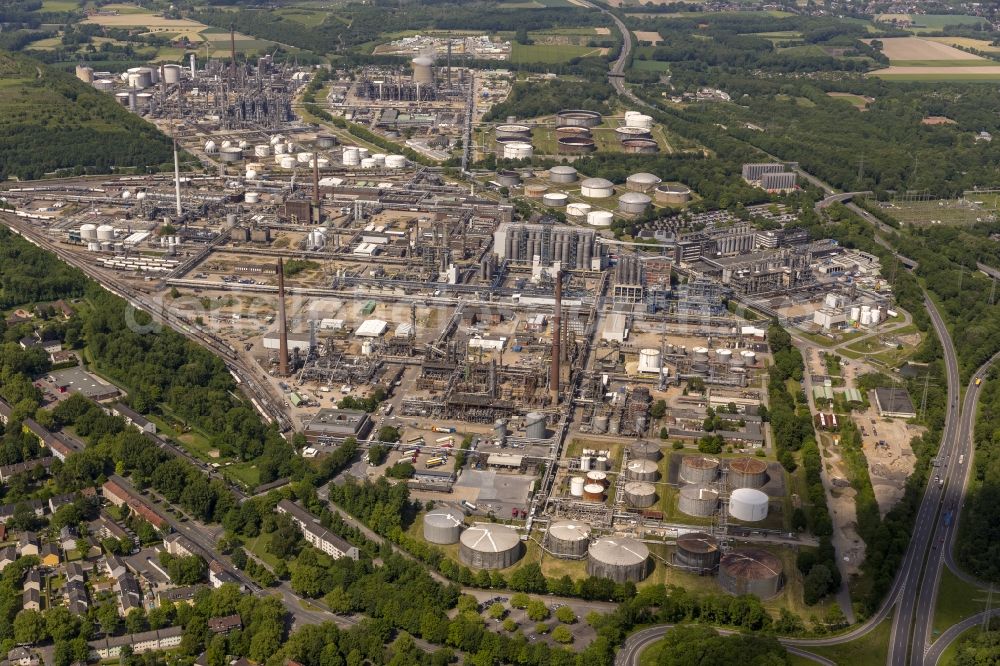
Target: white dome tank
[
  {"x": 351, "y": 156},
  {"x": 639, "y": 120},
  {"x": 649, "y": 360},
  {"x": 287, "y": 162},
  {"x": 252, "y": 197},
  {"x": 210, "y": 147},
  {"x": 105, "y": 232},
  {"x": 578, "y": 209},
  {"x": 395, "y": 161},
  {"x": 576, "y": 485},
  {"x": 748, "y": 504},
  {"x": 517, "y": 150},
  {"x": 262, "y": 150},
  {"x": 88, "y": 232},
  {"x": 555, "y": 199},
  {"x": 367, "y": 163},
  {"x": 600, "y": 218}
]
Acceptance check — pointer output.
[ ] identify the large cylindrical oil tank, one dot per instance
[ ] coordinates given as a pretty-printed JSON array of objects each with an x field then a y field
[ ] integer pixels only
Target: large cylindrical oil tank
[
  {"x": 597, "y": 188},
  {"x": 396, "y": 161},
  {"x": 640, "y": 146},
  {"x": 443, "y": 525},
  {"x": 287, "y": 162},
  {"x": 568, "y": 538},
  {"x": 586, "y": 462},
  {"x": 489, "y": 546},
  {"x": 751, "y": 571},
  {"x": 513, "y": 131},
  {"x": 639, "y": 120},
  {"x": 672, "y": 195},
  {"x": 642, "y": 470},
  {"x": 748, "y": 505},
  {"x": 593, "y": 492},
  {"x": 578, "y": 118},
  {"x": 105, "y": 232},
  {"x": 575, "y": 145},
  {"x": 88, "y": 232},
  {"x": 644, "y": 450},
  {"x": 508, "y": 178},
  {"x": 723, "y": 356},
  {"x": 621, "y": 559},
  {"x": 700, "y": 354},
  {"x": 263, "y": 150},
  {"x": 230, "y": 154},
  {"x": 326, "y": 141},
  {"x": 699, "y": 469},
  {"x": 642, "y": 182},
  {"x": 535, "y": 425},
  {"x": 600, "y": 218},
  {"x": 601, "y": 463},
  {"x": 601, "y": 424},
  {"x": 640, "y": 494},
  {"x": 649, "y": 360},
  {"x": 555, "y": 199},
  {"x": 578, "y": 210},
  {"x": 698, "y": 500},
  {"x": 598, "y": 477},
  {"x": 351, "y": 156},
  {"x": 747, "y": 473},
  {"x": 562, "y": 174},
  {"x": 576, "y": 485},
  {"x": 697, "y": 551},
  {"x": 633, "y": 203},
  {"x": 626, "y": 133},
  {"x": 534, "y": 191},
  {"x": 749, "y": 357},
  {"x": 171, "y": 74},
  {"x": 517, "y": 150}
]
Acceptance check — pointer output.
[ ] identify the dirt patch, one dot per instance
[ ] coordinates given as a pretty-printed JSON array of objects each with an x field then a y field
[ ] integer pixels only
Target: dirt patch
[
  {"x": 886, "y": 444},
  {"x": 602, "y": 31},
  {"x": 937, "y": 120},
  {"x": 915, "y": 48},
  {"x": 144, "y": 20},
  {"x": 648, "y": 36}
]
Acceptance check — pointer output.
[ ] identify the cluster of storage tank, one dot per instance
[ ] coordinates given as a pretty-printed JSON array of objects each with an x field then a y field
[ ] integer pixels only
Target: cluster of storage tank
[
  {"x": 316, "y": 239},
  {"x": 92, "y": 232},
  {"x": 866, "y": 315}
]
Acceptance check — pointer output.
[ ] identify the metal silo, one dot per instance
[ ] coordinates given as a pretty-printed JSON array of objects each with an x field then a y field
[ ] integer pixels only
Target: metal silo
[
  {"x": 489, "y": 546},
  {"x": 642, "y": 470},
  {"x": 748, "y": 504},
  {"x": 640, "y": 494},
  {"x": 620, "y": 559},
  {"x": 535, "y": 425},
  {"x": 751, "y": 571},
  {"x": 697, "y": 551},
  {"x": 443, "y": 525},
  {"x": 698, "y": 500},
  {"x": 747, "y": 473},
  {"x": 568, "y": 538},
  {"x": 598, "y": 477},
  {"x": 593, "y": 492},
  {"x": 699, "y": 469},
  {"x": 643, "y": 450}
]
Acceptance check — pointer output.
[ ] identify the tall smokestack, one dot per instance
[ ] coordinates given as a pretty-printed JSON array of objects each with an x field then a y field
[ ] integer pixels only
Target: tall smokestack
[
  {"x": 192, "y": 60},
  {"x": 232, "y": 51},
  {"x": 316, "y": 200},
  {"x": 556, "y": 335},
  {"x": 282, "y": 323},
  {"x": 177, "y": 179}
]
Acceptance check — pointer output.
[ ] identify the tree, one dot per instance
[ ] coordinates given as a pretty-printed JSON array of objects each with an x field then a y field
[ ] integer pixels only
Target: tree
[
  {"x": 816, "y": 584},
  {"x": 497, "y": 611},
  {"x": 529, "y": 578},
  {"x": 658, "y": 410},
  {"x": 542, "y": 628},
  {"x": 562, "y": 634},
  {"x": 537, "y": 611},
  {"x": 29, "y": 627},
  {"x": 520, "y": 600},
  {"x": 60, "y": 624},
  {"x": 107, "y": 615},
  {"x": 509, "y": 625},
  {"x": 388, "y": 434},
  {"x": 136, "y": 621},
  {"x": 566, "y": 615}
]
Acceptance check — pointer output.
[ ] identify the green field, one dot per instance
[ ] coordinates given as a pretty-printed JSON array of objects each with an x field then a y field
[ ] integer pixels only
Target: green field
[
  {"x": 60, "y": 5},
  {"x": 651, "y": 66},
  {"x": 869, "y": 650},
  {"x": 938, "y": 211},
  {"x": 944, "y": 63},
  {"x": 306, "y": 17},
  {"x": 956, "y": 601},
  {"x": 985, "y": 77},
  {"x": 550, "y": 53}
]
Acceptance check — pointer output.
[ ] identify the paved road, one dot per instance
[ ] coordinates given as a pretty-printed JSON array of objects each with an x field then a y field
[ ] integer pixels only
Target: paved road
[
  {"x": 934, "y": 653},
  {"x": 640, "y": 640}
]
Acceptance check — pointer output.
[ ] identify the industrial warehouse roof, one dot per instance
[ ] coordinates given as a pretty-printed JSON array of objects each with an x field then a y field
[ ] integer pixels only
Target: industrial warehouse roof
[
  {"x": 372, "y": 328},
  {"x": 504, "y": 460},
  {"x": 853, "y": 395},
  {"x": 894, "y": 402}
]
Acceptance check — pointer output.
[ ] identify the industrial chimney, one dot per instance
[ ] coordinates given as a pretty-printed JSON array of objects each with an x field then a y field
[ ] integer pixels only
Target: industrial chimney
[
  {"x": 556, "y": 335},
  {"x": 282, "y": 322}
]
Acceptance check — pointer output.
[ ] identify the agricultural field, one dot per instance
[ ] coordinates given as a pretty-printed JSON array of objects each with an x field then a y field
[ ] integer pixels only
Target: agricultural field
[
  {"x": 966, "y": 43},
  {"x": 918, "y": 59},
  {"x": 943, "y": 211},
  {"x": 917, "y": 48},
  {"x": 551, "y": 53},
  {"x": 929, "y": 22},
  {"x": 860, "y": 102}
]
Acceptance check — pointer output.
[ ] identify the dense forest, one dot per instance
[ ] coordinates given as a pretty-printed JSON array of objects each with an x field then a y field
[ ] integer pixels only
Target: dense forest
[
  {"x": 49, "y": 120},
  {"x": 532, "y": 99}
]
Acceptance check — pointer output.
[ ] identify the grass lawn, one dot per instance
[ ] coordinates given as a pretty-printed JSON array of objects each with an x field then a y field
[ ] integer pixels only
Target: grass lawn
[
  {"x": 246, "y": 473},
  {"x": 956, "y": 601},
  {"x": 651, "y": 65},
  {"x": 948, "y": 656},
  {"x": 59, "y": 5},
  {"x": 550, "y": 53},
  {"x": 258, "y": 546},
  {"x": 869, "y": 650}
]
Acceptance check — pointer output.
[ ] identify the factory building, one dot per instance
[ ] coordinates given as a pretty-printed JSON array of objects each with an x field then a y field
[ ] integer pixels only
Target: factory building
[
  {"x": 781, "y": 181},
  {"x": 337, "y": 424},
  {"x": 571, "y": 247},
  {"x": 752, "y": 173}
]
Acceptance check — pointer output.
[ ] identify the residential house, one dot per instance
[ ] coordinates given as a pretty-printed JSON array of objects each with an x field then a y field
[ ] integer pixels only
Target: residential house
[
  {"x": 219, "y": 576},
  {"x": 133, "y": 418},
  {"x": 119, "y": 492},
  {"x": 35, "y": 506},
  {"x": 33, "y": 580},
  {"x": 180, "y": 546},
  {"x": 49, "y": 554},
  {"x": 7, "y": 556},
  {"x": 75, "y": 573},
  {"x": 28, "y": 544},
  {"x": 129, "y": 593},
  {"x": 76, "y": 597},
  {"x": 31, "y": 600},
  {"x": 7, "y": 471},
  {"x": 22, "y": 656},
  {"x": 116, "y": 568},
  {"x": 5, "y": 411},
  {"x": 178, "y": 595},
  {"x": 225, "y": 625},
  {"x": 159, "y": 639},
  {"x": 68, "y": 537},
  {"x": 316, "y": 534}
]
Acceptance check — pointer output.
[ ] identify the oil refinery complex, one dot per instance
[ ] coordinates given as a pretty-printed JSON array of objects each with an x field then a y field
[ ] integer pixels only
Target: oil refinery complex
[{"x": 539, "y": 370}]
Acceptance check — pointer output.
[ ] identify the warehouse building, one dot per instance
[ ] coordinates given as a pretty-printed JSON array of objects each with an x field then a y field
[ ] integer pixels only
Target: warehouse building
[{"x": 337, "y": 424}]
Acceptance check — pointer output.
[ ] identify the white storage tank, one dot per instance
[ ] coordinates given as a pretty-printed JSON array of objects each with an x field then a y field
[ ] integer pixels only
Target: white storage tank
[
  {"x": 723, "y": 356},
  {"x": 88, "y": 232},
  {"x": 304, "y": 158},
  {"x": 105, "y": 232},
  {"x": 562, "y": 174},
  {"x": 642, "y": 182},
  {"x": 252, "y": 197},
  {"x": 555, "y": 199},
  {"x": 855, "y": 313},
  {"x": 93, "y": 246},
  {"x": 210, "y": 147},
  {"x": 171, "y": 73},
  {"x": 749, "y": 357},
  {"x": 634, "y": 203},
  {"x": 639, "y": 120},
  {"x": 579, "y": 210},
  {"x": 363, "y": 153},
  {"x": 379, "y": 159},
  {"x": 600, "y": 218},
  {"x": 443, "y": 526},
  {"x": 517, "y": 150},
  {"x": 395, "y": 161},
  {"x": 597, "y": 188},
  {"x": 649, "y": 360},
  {"x": 576, "y": 485},
  {"x": 748, "y": 504},
  {"x": 568, "y": 539},
  {"x": 287, "y": 162},
  {"x": 262, "y": 150},
  {"x": 230, "y": 154},
  {"x": 351, "y": 156},
  {"x": 367, "y": 163}
]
